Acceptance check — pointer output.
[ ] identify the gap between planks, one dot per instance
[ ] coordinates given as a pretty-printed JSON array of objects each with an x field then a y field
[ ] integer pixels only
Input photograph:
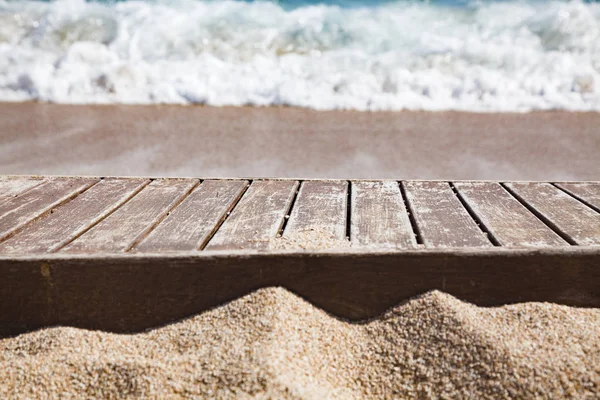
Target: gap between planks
[
  {"x": 550, "y": 224},
  {"x": 27, "y": 189},
  {"x": 485, "y": 229},
  {"x": 349, "y": 211},
  {"x": 576, "y": 196},
  {"x": 45, "y": 210},
  {"x": 227, "y": 214},
  {"x": 416, "y": 230},
  {"x": 288, "y": 212},
  {"x": 103, "y": 217},
  {"x": 161, "y": 218},
  {"x": 510, "y": 221},
  {"x": 411, "y": 215},
  {"x": 244, "y": 228}
]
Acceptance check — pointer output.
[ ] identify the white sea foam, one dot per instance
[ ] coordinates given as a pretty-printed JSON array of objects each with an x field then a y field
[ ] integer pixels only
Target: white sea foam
[{"x": 499, "y": 56}]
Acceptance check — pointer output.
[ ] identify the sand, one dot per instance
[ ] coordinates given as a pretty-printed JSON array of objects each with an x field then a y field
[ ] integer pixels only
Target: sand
[
  {"x": 272, "y": 344},
  {"x": 296, "y": 143},
  {"x": 314, "y": 238}
]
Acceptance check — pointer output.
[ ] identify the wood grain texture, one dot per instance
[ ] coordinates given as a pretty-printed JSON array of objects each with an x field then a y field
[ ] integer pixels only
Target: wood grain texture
[
  {"x": 320, "y": 208},
  {"x": 588, "y": 192},
  {"x": 66, "y": 222},
  {"x": 131, "y": 222},
  {"x": 45, "y": 214},
  {"x": 257, "y": 218},
  {"x": 16, "y": 212},
  {"x": 379, "y": 217},
  {"x": 441, "y": 219},
  {"x": 11, "y": 186},
  {"x": 508, "y": 220},
  {"x": 133, "y": 293},
  {"x": 192, "y": 223},
  {"x": 579, "y": 223}
]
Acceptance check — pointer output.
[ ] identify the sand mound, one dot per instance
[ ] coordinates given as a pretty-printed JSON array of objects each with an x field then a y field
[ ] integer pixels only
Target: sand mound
[
  {"x": 316, "y": 238},
  {"x": 272, "y": 344}
]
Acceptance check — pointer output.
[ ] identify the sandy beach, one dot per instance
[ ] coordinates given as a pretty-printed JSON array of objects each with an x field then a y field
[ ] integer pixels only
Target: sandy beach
[
  {"x": 117, "y": 286},
  {"x": 272, "y": 344},
  {"x": 290, "y": 142}
]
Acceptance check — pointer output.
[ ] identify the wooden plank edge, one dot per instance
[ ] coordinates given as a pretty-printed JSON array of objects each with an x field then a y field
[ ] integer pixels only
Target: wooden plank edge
[
  {"x": 540, "y": 215},
  {"x": 574, "y": 195},
  {"x": 48, "y": 208},
  {"x": 346, "y": 251},
  {"x": 39, "y": 183},
  {"x": 160, "y": 217},
  {"x": 107, "y": 213},
  {"x": 123, "y": 293},
  {"x": 258, "y": 178}
]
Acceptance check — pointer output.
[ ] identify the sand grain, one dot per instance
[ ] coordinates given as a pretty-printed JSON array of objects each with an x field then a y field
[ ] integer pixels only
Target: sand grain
[{"x": 273, "y": 344}]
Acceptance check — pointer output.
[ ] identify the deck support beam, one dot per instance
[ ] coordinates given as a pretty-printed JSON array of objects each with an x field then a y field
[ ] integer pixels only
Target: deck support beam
[{"x": 136, "y": 292}]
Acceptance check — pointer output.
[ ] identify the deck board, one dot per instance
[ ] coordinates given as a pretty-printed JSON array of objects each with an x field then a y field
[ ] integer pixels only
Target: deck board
[
  {"x": 123, "y": 228},
  {"x": 441, "y": 218},
  {"x": 134, "y": 292},
  {"x": 579, "y": 223},
  {"x": 379, "y": 217},
  {"x": 92, "y": 215},
  {"x": 319, "y": 211},
  {"x": 16, "y": 212},
  {"x": 508, "y": 220},
  {"x": 192, "y": 223},
  {"x": 11, "y": 186},
  {"x": 68, "y": 221},
  {"x": 257, "y": 218},
  {"x": 584, "y": 191}
]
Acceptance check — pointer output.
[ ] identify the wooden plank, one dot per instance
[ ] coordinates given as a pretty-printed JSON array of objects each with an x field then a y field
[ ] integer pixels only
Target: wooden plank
[
  {"x": 130, "y": 223},
  {"x": 441, "y": 219},
  {"x": 378, "y": 216},
  {"x": 16, "y": 212},
  {"x": 257, "y": 218},
  {"x": 11, "y": 186},
  {"x": 588, "y": 192},
  {"x": 508, "y": 221},
  {"x": 320, "y": 210},
  {"x": 194, "y": 221},
  {"x": 67, "y": 222},
  {"x": 579, "y": 223},
  {"x": 132, "y": 292}
]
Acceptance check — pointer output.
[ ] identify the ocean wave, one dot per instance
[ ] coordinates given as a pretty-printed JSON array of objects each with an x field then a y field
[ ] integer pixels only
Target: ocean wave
[{"x": 483, "y": 56}]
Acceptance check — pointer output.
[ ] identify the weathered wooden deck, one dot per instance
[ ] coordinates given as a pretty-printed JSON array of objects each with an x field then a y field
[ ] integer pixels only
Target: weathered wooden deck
[{"x": 128, "y": 253}]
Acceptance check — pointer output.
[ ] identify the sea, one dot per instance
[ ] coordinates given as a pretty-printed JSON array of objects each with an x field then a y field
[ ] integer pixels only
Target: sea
[{"x": 471, "y": 55}]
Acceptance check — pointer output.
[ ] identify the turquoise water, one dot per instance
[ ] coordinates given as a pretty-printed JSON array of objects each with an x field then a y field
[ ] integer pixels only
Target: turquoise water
[{"x": 335, "y": 54}]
